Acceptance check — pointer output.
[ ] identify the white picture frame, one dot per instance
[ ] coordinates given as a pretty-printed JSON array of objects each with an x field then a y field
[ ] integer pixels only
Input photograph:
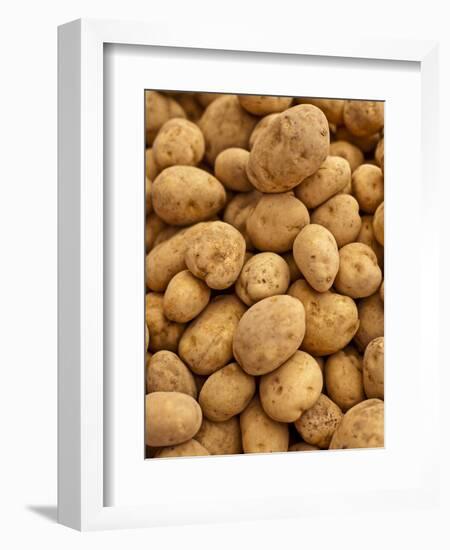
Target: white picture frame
[{"x": 94, "y": 493}]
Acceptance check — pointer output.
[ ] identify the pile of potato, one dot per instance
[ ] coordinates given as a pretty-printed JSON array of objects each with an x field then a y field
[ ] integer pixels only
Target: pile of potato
[{"x": 264, "y": 273}]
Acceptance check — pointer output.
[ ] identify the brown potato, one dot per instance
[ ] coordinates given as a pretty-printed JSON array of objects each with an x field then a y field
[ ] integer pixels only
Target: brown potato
[
  {"x": 261, "y": 434},
  {"x": 238, "y": 210},
  {"x": 225, "y": 124},
  {"x": 332, "y": 177},
  {"x": 207, "y": 98},
  {"x": 164, "y": 334},
  {"x": 275, "y": 222},
  {"x": 154, "y": 225},
  {"x": 294, "y": 271},
  {"x": 366, "y": 143},
  {"x": 359, "y": 275},
  {"x": 316, "y": 254},
  {"x": 226, "y": 393},
  {"x": 179, "y": 141},
  {"x": 190, "y": 105},
  {"x": 188, "y": 448},
  {"x": 332, "y": 108},
  {"x": 368, "y": 187},
  {"x": 183, "y": 195},
  {"x": 261, "y": 105},
  {"x": 148, "y": 196},
  {"x": 262, "y": 124},
  {"x": 331, "y": 319},
  {"x": 373, "y": 368},
  {"x": 291, "y": 148},
  {"x": 371, "y": 316},
  {"x": 221, "y": 438},
  {"x": 382, "y": 291},
  {"x": 230, "y": 169},
  {"x": 206, "y": 345},
  {"x": 268, "y": 334},
  {"x": 366, "y": 236},
  {"x": 318, "y": 424},
  {"x": 151, "y": 168},
  {"x": 166, "y": 372},
  {"x": 379, "y": 154},
  {"x": 363, "y": 118},
  {"x": 343, "y": 378},
  {"x": 378, "y": 224},
  {"x": 352, "y": 154},
  {"x": 265, "y": 274},
  {"x": 170, "y": 418},
  {"x": 185, "y": 297},
  {"x": 159, "y": 109},
  {"x": 216, "y": 254},
  {"x": 340, "y": 215},
  {"x": 302, "y": 446},
  {"x": 361, "y": 427},
  {"x": 292, "y": 388}
]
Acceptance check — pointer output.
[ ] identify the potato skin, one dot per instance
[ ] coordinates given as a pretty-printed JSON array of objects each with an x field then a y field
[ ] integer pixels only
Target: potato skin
[
  {"x": 363, "y": 118},
  {"x": 226, "y": 393},
  {"x": 359, "y": 275},
  {"x": 292, "y": 388},
  {"x": 263, "y": 275},
  {"x": 151, "y": 168},
  {"x": 343, "y": 378},
  {"x": 163, "y": 333},
  {"x": 185, "y": 297},
  {"x": 154, "y": 225},
  {"x": 373, "y": 368},
  {"x": 261, "y": 434},
  {"x": 331, "y": 178},
  {"x": 262, "y": 125},
  {"x": 183, "y": 195},
  {"x": 291, "y": 148},
  {"x": 216, "y": 254},
  {"x": 179, "y": 141},
  {"x": 378, "y": 224},
  {"x": 366, "y": 143},
  {"x": 230, "y": 169},
  {"x": 371, "y": 316},
  {"x": 225, "y": 124},
  {"x": 331, "y": 319},
  {"x": 318, "y": 424},
  {"x": 188, "y": 448},
  {"x": 170, "y": 418},
  {"x": 261, "y": 105},
  {"x": 379, "y": 154},
  {"x": 368, "y": 187},
  {"x": 221, "y": 438},
  {"x": 166, "y": 372},
  {"x": 206, "y": 345},
  {"x": 238, "y": 210},
  {"x": 317, "y": 256},
  {"x": 352, "y": 154},
  {"x": 333, "y": 109},
  {"x": 294, "y": 271},
  {"x": 275, "y": 222},
  {"x": 366, "y": 236},
  {"x": 361, "y": 427},
  {"x": 268, "y": 334},
  {"x": 158, "y": 110},
  {"x": 382, "y": 291}
]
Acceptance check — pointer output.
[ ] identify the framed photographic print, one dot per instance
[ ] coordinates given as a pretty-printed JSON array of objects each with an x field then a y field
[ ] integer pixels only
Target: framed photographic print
[{"x": 223, "y": 251}]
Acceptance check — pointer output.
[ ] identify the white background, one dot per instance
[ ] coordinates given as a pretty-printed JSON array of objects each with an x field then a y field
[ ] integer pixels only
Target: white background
[{"x": 28, "y": 273}]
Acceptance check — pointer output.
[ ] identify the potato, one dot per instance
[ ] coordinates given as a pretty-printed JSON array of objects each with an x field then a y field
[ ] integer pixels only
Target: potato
[
  {"x": 331, "y": 178},
  {"x": 225, "y": 124},
  {"x": 183, "y": 195},
  {"x": 153, "y": 227},
  {"x": 363, "y": 118},
  {"x": 340, "y": 215},
  {"x": 366, "y": 236},
  {"x": 359, "y": 275},
  {"x": 170, "y": 418},
  {"x": 378, "y": 224},
  {"x": 318, "y": 424},
  {"x": 373, "y": 368},
  {"x": 151, "y": 168},
  {"x": 148, "y": 196},
  {"x": 382, "y": 291},
  {"x": 262, "y": 105},
  {"x": 188, "y": 448},
  {"x": 216, "y": 254},
  {"x": 179, "y": 141},
  {"x": 379, "y": 154},
  {"x": 371, "y": 316},
  {"x": 361, "y": 427},
  {"x": 268, "y": 334},
  {"x": 343, "y": 378},
  {"x": 331, "y": 108},
  {"x": 302, "y": 446},
  {"x": 166, "y": 233},
  {"x": 366, "y": 143},
  {"x": 265, "y": 274},
  {"x": 316, "y": 254},
  {"x": 294, "y": 271},
  {"x": 292, "y": 388},
  {"x": 166, "y": 372},
  {"x": 352, "y": 154},
  {"x": 238, "y": 211},
  {"x": 185, "y": 297},
  {"x": 261, "y": 434},
  {"x": 164, "y": 334},
  {"x": 230, "y": 169},
  {"x": 368, "y": 187},
  {"x": 206, "y": 345},
  {"x": 221, "y": 438},
  {"x": 262, "y": 124},
  {"x": 206, "y": 99},
  {"x": 331, "y": 319},
  {"x": 275, "y": 222},
  {"x": 147, "y": 337},
  {"x": 226, "y": 393},
  {"x": 291, "y": 148},
  {"x": 190, "y": 105},
  {"x": 158, "y": 110}
]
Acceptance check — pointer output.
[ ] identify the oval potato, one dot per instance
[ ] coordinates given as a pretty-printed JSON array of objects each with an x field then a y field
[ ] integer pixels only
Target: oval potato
[
  {"x": 318, "y": 424},
  {"x": 373, "y": 368},
  {"x": 166, "y": 372},
  {"x": 343, "y": 378},
  {"x": 221, "y": 438},
  {"x": 359, "y": 275},
  {"x": 185, "y": 297}
]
